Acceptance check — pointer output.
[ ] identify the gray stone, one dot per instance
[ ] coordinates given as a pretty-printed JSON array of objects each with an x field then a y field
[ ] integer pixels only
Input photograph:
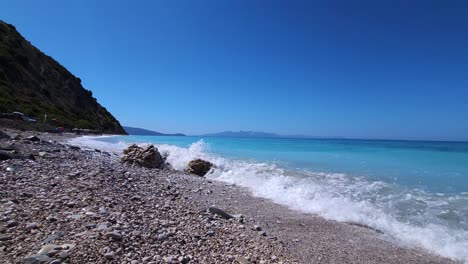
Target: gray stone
[
  {"x": 31, "y": 226},
  {"x": 76, "y": 216},
  {"x": 12, "y": 223},
  {"x": 36, "y": 259},
  {"x": 103, "y": 211},
  {"x": 220, "y": 212},
  {"x": 168, "y": 259},
  {"x": 114, "y": 235},
  {"x": 51, "y": 218},
  {"x": 92, "y": 226},
  {"x": 109, "y": 255},
  {"x": 103, "y": 226},
  {"x": 64, "y": 255},
  {"x": 48, "y": 248},
  {"x": 5, "y": 237},
  {"x": 53, "y": 236},
  {"x": 199, "y": 167},
  {"x": 33, "y": 138}
]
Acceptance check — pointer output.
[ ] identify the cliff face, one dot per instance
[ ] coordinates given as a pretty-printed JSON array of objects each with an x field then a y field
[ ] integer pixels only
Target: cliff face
[{"x": 35, "y": 84}]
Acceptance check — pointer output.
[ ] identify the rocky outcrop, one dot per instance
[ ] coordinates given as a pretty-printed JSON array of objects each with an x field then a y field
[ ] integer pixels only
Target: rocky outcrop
[
  {"x": 148, "y": 156},
  {"x": 199, "y": 167},
  {"x": 36, "y": 85}
]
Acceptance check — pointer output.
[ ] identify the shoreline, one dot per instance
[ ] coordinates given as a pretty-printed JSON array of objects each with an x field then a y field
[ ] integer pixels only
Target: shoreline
[{"x": 290, "y": 236}]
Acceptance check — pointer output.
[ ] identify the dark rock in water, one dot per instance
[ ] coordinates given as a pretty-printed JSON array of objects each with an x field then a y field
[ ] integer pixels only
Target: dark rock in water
[
  {"x": 3, "y": 135},
  {"x": 199, "y": 167},
  {"x": 33, "y": 139},
  {"x": 148, "y": 156},
  {"x": 220, "y": 212}
]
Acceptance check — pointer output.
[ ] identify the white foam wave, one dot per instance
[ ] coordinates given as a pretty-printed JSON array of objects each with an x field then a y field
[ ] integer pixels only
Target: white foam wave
[{"x": 333, "y": 196}]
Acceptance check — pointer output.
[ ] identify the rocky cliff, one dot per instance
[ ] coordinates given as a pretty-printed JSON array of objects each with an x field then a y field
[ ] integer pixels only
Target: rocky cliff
[{"x": 35, "y": 84}]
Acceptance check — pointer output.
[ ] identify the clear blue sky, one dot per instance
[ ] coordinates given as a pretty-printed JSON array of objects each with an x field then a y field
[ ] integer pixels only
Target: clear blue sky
[{"x": 365, "y": 70}]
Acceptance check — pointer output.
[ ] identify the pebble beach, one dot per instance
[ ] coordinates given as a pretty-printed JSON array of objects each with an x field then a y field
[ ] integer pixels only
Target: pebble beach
[{"x": 65, "y": 204}]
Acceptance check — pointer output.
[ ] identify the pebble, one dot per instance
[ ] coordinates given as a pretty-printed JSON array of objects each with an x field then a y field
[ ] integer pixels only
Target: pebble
[
  {"x": 114, "y": 236},
  {"x": 5, "y": 237},
  {"x": 110, "y": 255},
  {"x": 103, "y": 211},
  {"x": 64, "y": 255},
  {"x": 92, "y": 226},
  {"x": 36, "y": 259},
  {"x": 12, "y": 223}
]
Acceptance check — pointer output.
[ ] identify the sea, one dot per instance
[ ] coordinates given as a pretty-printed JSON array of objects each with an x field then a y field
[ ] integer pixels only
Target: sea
[{"x": 416, "y": 192}]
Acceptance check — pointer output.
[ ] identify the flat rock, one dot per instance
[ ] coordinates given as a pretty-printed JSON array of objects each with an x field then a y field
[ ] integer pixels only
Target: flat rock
[
  {"x": 220, "y": 212},
  {"x": 53, "y": 237}
]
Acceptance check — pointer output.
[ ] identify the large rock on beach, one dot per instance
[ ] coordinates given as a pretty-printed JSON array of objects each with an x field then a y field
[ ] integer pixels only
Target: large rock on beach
[
  {"x": 199, "y": 167},
  {"x": 148, "y": 156}
]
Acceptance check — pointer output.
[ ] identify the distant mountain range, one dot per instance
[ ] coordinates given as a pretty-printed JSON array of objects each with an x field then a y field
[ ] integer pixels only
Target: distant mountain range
[
  {"x": 145, "y": 132},
  {"x": 242, "y": 134},
  {"x": 254, "y": 134}
]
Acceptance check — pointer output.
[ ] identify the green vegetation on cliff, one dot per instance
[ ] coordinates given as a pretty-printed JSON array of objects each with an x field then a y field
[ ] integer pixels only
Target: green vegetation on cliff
[{"x": 35, "y": 84}]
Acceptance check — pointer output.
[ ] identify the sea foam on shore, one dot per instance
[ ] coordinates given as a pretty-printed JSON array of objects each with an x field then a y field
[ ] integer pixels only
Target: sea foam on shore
[{"x": 407, "y": 215}]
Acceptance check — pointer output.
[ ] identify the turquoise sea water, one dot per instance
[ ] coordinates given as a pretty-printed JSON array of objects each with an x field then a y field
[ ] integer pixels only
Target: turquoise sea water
[{"x": 414, "y": 191}]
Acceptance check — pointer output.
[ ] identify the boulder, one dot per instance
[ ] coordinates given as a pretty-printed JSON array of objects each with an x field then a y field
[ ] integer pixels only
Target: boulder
[
  {"x": 148, "y": 156},
  {"x": 199, "y": 167}
]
